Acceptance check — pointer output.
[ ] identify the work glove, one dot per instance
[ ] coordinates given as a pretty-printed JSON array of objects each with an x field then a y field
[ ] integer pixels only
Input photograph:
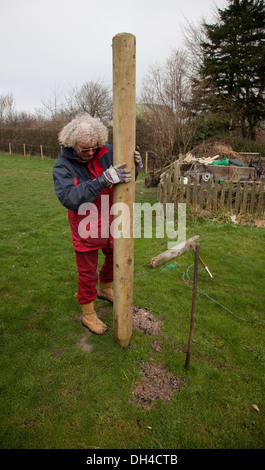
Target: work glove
[
  {"x": 138, "y": 159},
  {"x": 117, "y": 174}
]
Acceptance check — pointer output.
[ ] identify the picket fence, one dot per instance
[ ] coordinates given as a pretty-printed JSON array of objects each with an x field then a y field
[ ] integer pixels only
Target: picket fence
[{"x": 235, "y": 197}]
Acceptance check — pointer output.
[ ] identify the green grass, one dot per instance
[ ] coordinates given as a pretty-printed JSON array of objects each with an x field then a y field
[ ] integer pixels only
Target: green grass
[{"x": 55, "y": 395}]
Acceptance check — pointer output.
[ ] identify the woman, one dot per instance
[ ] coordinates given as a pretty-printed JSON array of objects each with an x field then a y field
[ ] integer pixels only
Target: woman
[{"x": 84, "y": 173}]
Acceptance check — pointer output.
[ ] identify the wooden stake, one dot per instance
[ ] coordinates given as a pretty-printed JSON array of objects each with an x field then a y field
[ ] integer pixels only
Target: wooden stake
[
  {"x": 9, "y": 145},
  {"x": 177, "y": 250},
  {"x": 24, "y": 149},
  {"x": 146, "y": 162},
  {"x": 41, "y": 152},
  {"x": 192, "y": 321},
  {"x": 124, "y": 129},
  {"x": 203, "y": 263}
]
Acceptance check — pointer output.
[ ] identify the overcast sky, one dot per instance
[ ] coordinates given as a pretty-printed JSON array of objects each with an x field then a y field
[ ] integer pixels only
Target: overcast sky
[{"x": 63, "y": 43}]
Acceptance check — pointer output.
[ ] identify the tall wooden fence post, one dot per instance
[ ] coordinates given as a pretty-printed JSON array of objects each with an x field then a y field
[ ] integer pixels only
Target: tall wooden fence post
[{"x": 124, "y": 130}]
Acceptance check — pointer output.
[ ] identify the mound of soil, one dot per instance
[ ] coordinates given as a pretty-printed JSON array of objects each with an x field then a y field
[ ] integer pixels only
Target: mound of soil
[
  {"x": 211, "y": 149},
  {"x": 143, "y": 320},
  {"x": 156, "y": 383}
]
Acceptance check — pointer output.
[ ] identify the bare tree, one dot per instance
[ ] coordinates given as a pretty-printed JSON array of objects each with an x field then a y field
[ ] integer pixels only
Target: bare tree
[
  {"x": 194, "y": 35},
  {"x": 7, "y": 107},
  {"x": 53, "y": 105},
  {"x": 92, "y": 97},
  {"x": 95, "y": 98},
  {"x": 166, "y": 104}
]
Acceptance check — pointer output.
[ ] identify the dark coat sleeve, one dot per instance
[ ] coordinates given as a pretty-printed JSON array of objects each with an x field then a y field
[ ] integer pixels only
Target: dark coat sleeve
[{"x": 72, "y": 195}]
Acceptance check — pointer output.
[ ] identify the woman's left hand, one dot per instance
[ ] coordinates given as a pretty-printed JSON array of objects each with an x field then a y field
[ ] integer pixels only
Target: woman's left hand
[{"x": 138, "y": 159}]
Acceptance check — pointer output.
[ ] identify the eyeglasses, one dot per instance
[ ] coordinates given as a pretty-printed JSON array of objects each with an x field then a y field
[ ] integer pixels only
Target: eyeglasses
[{"x": 88, "y": 149}]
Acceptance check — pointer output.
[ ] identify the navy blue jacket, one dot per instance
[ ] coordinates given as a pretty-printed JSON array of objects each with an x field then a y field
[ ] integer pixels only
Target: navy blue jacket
[{"x": 77, "y": 181}]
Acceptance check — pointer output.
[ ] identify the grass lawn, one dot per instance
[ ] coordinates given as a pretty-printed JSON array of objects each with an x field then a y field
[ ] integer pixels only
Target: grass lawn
[{"x": 57, "y": 395}]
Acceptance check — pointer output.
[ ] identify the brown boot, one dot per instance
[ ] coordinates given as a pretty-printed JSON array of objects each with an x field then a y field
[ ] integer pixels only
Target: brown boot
[
  {"x": 105, "y": 291},
  {"x": 91, "y": 320}
]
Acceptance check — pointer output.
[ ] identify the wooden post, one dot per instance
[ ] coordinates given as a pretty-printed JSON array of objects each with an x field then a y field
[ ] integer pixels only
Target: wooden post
[
  {"x": 9, "y": 146},
  {"x": 245, "y": 197},
  {"x": 146, "y": 162},
  {"x": 252, "y": 201},
  {"x": 194, "y": 196},
  {"x": 124, "y": 131},
  {"x": 208, "y": 202},
  {"x": 202, "y": 194},
  {"x": 222, "y": 198},
  {"x": 230, "y": 196},
  {"x": 188, "y": 187},
  {"x": 193, "y": 308},
  {"x": 176, "y": 177},
  {"x": 215, "y": 196},
  {"x": 177, "y": 250},
  {"x": 260, "y": 200},
  {"x": 238, "y": 190},
  {"x": 41, "y": 152},
  {"x": 24, "y": 149}
]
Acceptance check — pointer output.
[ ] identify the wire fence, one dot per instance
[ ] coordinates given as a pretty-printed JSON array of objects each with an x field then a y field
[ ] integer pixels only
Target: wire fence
[
  {"x": 51, "y": 151},
  {"x": 30, "y": 150}
]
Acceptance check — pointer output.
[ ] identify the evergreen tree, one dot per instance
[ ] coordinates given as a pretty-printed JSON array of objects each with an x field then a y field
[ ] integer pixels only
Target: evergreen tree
[{"x": 232, "y": 75}]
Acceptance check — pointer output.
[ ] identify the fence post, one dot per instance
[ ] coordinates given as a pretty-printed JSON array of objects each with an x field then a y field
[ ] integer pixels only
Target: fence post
[
  {"x": 161, "y": 190},
  {"x": 215, "y": 196},
  {"x": 194, "y": 196},
  {"x": 208, "y": 202},
  {"x": 230, "y": 193},
  {"x": 222, "y": 198},
  {"x": 260, "y": 201},
  {"x": 188, "y": 201},
  {"x": 252, "y": 201},
  {"x": 146, "y": 162},
  {"x": 237, "y": 197},
  {"x": 9, "y": 146},
  {"x": 41, "y": 152},
  {"x": 164, "y": 188},
  {"x": 193, "y": 306},
  {"x": 24, "y": 149},
  {"x": 245, "y": 196},
  {"x": 201, "y": 200},
  {"x": 176, "y": 176}
]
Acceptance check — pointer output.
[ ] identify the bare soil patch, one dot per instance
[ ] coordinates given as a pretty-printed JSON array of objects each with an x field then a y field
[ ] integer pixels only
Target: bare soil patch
[
  {"x": 144, "y": 320},
  {"x": 83, "y": 344},
  {"x": 156, "y": 384}
]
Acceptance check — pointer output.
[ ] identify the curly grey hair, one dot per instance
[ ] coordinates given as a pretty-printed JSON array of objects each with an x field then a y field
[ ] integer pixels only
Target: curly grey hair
[{"x": 83, "y": 129}]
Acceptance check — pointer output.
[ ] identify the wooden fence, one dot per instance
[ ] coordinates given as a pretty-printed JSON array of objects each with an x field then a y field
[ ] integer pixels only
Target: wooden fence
[
  {"x": 30, "y": 150},
  {"x": 235, "y": 197}
]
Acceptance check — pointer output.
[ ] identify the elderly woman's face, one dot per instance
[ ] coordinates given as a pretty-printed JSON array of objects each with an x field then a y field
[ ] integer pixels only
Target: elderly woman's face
[{"x": 86, "y": 150}]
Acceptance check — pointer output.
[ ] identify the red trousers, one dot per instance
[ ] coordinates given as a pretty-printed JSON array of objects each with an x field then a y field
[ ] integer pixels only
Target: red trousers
[{"x": 87, "y": 264}]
